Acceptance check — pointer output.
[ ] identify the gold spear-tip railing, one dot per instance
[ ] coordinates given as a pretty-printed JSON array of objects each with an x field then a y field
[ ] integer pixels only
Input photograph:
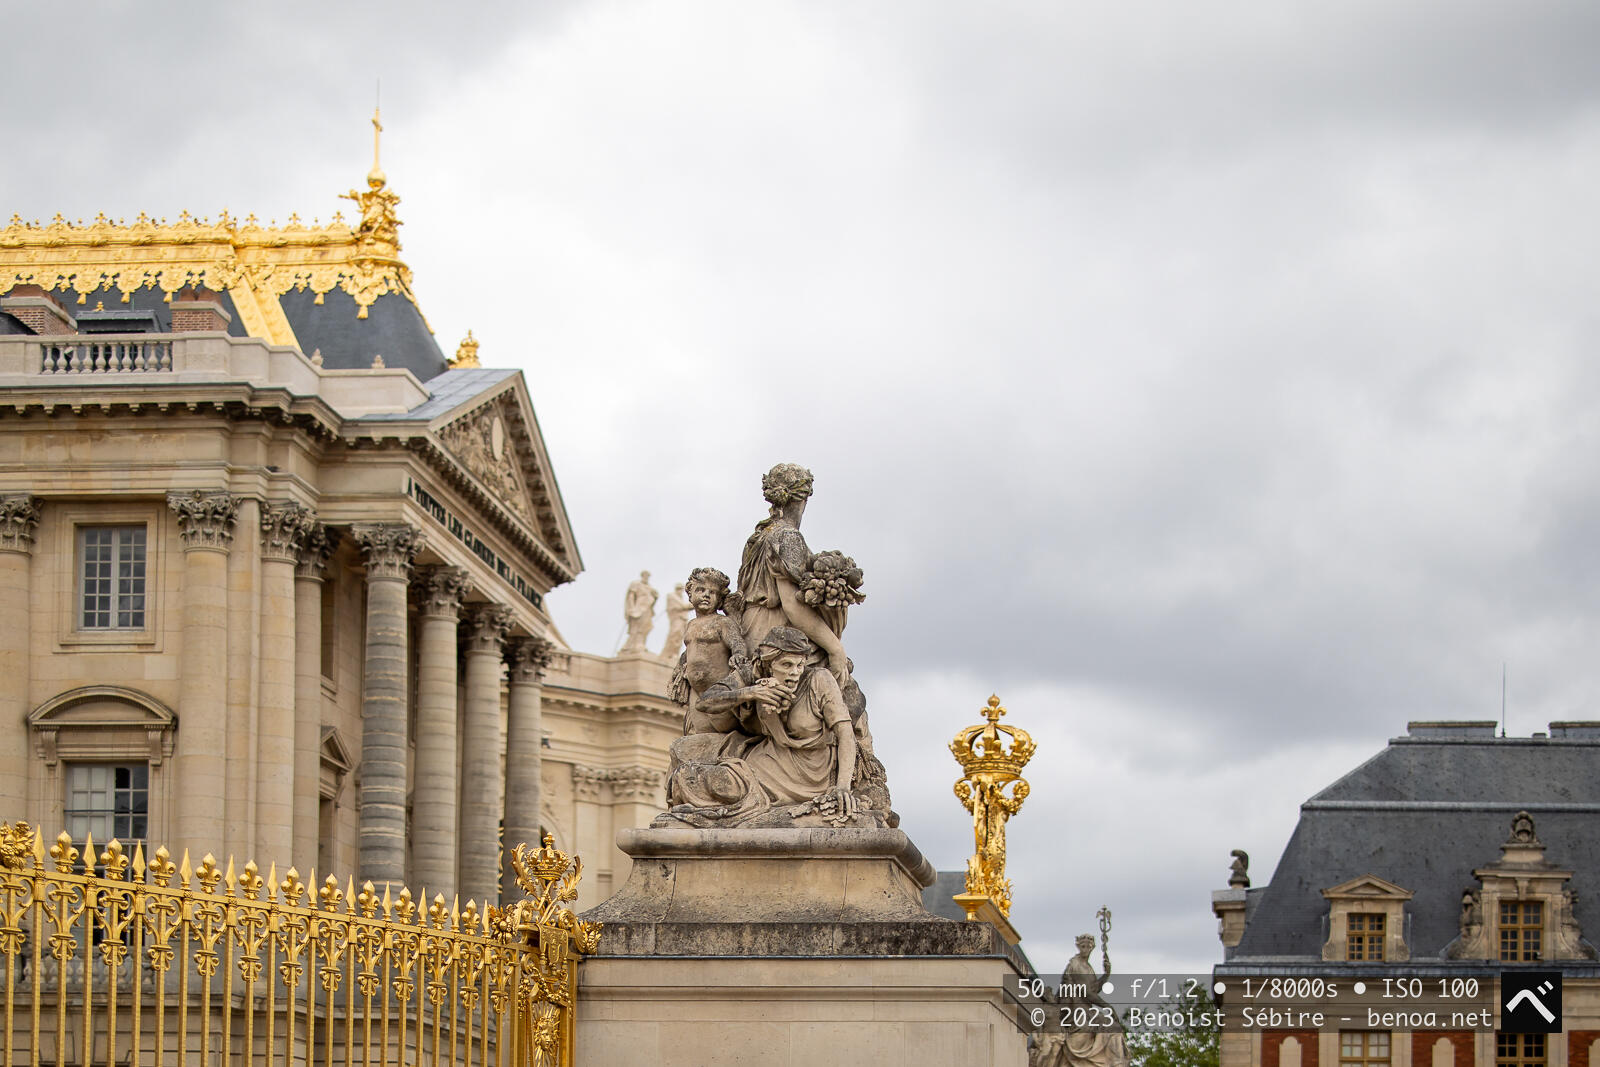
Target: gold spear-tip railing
[{"x": 116, "y": 959}]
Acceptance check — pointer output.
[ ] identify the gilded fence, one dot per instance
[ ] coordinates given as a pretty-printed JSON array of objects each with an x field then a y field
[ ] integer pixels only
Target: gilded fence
[{"x": 123, "y": 960}]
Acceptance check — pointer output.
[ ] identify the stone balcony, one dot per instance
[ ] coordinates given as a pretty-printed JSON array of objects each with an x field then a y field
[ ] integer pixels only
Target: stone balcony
[{"x": 110, "y": 361}]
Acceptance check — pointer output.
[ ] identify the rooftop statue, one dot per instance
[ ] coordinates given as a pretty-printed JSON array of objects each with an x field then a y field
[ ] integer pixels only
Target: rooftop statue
[
  {"x": 777, "y": 738},
  {"x": 1101, "y": 1042},
  {"x": 639, "y": 611}
]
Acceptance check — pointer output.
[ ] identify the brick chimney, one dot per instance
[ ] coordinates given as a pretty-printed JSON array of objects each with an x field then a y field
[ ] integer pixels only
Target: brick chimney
[
  {"x": 199, "y": 311},
  {"x": 38, "y": 310}
]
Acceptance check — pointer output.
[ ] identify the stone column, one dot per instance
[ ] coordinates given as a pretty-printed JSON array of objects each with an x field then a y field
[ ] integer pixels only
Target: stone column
[
  {"x": 526, "y": 659},
  {"x": 200, "y": 765},
  {"x": 389, "y": 549},
  {"x": 283, "y": 531},
  {"x": 433, "y": 801},
  {"x": 244, "y": 625},
  {"x": 482, "y": 787},
  {"x": 308, "y": 576},
  {"x": 19, "y": 515}
]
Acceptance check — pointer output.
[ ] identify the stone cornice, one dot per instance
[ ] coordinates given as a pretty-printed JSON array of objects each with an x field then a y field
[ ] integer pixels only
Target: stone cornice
[
  {"x": 284, "y": 527},
  {"x": 19, "y": 515},
  {"x": 205, "y": 519},
  {"x": 527, "y": 658},
  {"x": 624, "y": 782},
  {"x": 440, "y": 590},
  {"x": 486, "y": 627},
  {"x": 389, "y": 548}
]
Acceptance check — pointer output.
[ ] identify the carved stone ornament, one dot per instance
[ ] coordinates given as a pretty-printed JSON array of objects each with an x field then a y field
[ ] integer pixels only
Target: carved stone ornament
[
  {"x": 486, "y": 627},
  {"x": 389, "y": 548},
  {"x": 527, "y": 658},
  {"x": 1239, "y": 870},
  {"x": 441, "y": 590},
  {"x": 283, "y": 530},
  {"x": 18, "y": 517},
  {"x": 205, "y": 519},
  {"x": 315, "y": 548},
  {"x": 624, "y": 782},
  {"x": 480, "y": 441}
]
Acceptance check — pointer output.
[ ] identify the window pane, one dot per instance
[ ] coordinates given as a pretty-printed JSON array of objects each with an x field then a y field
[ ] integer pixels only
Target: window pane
[{"x": 112, "y": 577}]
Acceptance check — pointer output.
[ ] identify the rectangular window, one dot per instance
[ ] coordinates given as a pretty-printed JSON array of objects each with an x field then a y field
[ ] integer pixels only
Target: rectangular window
[
  {"x": 1521, "y": 930},
  {"x": 108, "y": 801},
  {"x": 111, "y": 570},
  {"x": 1519, "y": 1050},
  {"x": 1364, "y": 936},
  {"x": 1360, "y": 1048}
]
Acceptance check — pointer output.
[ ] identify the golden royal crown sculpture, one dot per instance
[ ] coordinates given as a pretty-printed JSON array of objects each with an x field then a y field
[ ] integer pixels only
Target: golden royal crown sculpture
[
  {"x": 989, "y": 766},
  {"x": 255, "y": 264}
]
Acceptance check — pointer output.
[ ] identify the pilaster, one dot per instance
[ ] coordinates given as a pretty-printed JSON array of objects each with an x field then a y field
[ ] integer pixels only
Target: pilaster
[
  {"x": 283, "y": 530},
  {"x": 206, "y": 521},
  {"x": 19, "y": 516},
  {"x": 482, "y": 783},
  {"x": 311, "y": 566},
  {"x": 526, "y": 660},
  {"x": 434, "y": 811}
]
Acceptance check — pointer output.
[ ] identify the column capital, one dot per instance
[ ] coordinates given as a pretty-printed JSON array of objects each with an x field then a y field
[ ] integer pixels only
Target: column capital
[
  {"x": 440, "y": 589},
  {"x": 528, "y": 657},
  {"x": 315, "y": 547},
  {"x": 19, "y": 514},
  {"x": 486, "y": 627},
  {"x": 284, "y": 527},
  {"x": 205, "y": 518},
  {"x": 389, "y": 547}
]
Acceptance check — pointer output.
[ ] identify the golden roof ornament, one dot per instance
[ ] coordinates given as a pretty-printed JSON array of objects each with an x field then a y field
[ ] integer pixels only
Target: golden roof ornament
[
  {"x": 466, "y": 353},
  {"x": 254, "y": 264},
  {"x": 992, "y": 757}
]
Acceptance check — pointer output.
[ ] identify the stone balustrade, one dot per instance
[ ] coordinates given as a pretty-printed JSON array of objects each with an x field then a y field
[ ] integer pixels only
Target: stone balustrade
[{"x": 143, "y": 359}]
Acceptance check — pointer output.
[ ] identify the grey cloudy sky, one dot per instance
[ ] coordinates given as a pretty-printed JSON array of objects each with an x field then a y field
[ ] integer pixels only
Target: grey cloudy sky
[{"x": 1216, "y": 382}]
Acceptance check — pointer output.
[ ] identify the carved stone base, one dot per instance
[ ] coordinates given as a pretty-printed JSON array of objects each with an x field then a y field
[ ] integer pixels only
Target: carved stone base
[
  {"x": 783, "y": 876},
  {"x": 791, "y": 947}
]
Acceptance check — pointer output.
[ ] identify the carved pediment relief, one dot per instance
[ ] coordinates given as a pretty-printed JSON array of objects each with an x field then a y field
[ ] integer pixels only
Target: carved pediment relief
[
  {"x": 336, "y": 762},
  {"x": 495, "y": 442}
]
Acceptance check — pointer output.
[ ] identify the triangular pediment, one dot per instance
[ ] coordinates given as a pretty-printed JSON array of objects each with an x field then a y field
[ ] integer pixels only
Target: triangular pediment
[
  {"x": 1367, "y": 887},
  {"x": 497, "y": 440},
  {"x": 335, "y": 754}
]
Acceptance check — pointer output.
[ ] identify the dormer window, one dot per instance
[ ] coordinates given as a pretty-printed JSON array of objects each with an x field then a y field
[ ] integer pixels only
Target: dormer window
[
  {"x": 1364, "y": 933},
  {"x": 1366, "y": 921},
  {"x": 1521, "y": 931}
]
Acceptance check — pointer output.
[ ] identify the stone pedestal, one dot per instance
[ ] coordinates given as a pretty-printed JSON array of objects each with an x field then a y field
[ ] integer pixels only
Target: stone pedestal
[{"x": 790, "y": 947}]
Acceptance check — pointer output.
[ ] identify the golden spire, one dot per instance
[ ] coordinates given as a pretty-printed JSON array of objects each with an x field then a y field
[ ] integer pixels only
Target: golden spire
[
  {"x": 377, "y": 131},
  {"x": 467, "y": 353},
  {"x": 988, "y": 766}
]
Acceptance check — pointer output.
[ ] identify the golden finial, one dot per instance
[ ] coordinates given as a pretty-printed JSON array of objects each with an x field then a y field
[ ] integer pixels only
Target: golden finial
[
  {"x": 466, "y": 353},
  {"x": 377, "y": 131},
  {"x": 989, "y": 766}
]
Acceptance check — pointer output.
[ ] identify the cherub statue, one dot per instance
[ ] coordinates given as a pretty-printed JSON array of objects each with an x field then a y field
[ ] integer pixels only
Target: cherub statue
[
  {"x": 714, "y": 645},
  {"x": 378, "y": 224}
]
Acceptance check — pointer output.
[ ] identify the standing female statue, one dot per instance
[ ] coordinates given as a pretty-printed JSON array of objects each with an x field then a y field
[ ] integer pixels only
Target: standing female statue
[{"x": 784, "y": 585}]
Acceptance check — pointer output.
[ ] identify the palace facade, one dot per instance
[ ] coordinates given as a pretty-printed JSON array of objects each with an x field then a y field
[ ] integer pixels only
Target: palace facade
[
  {"x": 1450, "y": 863},
  {"x": 273, "y": 569}
]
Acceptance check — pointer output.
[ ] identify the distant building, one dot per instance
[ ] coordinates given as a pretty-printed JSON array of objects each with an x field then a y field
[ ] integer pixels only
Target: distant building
[
  {"x": 1451, "y": 855},
  {"x": 273, "y": 569}
]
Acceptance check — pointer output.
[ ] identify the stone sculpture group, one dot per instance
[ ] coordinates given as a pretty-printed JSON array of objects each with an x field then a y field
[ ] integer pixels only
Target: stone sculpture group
[{"x": 775, "y": 726}]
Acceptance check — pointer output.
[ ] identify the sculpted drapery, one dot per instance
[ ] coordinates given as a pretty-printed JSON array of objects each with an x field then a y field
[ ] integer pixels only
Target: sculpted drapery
[{"x": 780, "y": 738}]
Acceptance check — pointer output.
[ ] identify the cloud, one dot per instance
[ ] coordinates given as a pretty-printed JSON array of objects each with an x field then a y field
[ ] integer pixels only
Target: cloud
[{"x": 1215, "y": 384}]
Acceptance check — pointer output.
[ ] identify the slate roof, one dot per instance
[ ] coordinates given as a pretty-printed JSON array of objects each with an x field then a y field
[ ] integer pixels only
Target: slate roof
[
  {"x": 393, "y": 329},
  {"x": 449, "y": 390},
  {"x": 148, "y": 299},
  {"x": 12, "y": 325},
  {"x": 1423, "y": 813}
]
